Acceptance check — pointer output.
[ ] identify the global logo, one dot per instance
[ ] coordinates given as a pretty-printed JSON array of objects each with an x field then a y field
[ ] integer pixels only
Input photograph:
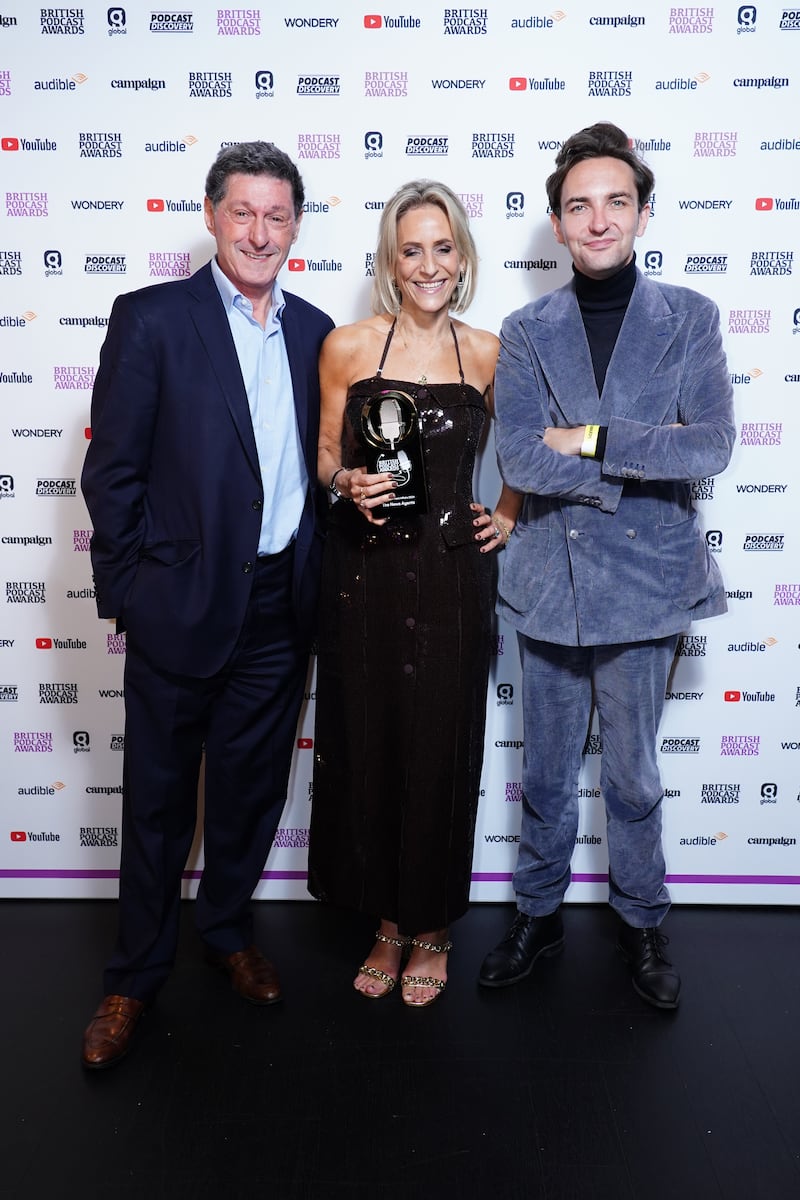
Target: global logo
[
  {"x": 265, "y": 85},
  {"x": 52, "y": 263},
  {"x": 653, "y": 263},
  {"x": 515, "y": 205},
  {"x": 116, "y": 22},
  {"x": 373, "y": 144},
  {"x": 746, "y": 19}
]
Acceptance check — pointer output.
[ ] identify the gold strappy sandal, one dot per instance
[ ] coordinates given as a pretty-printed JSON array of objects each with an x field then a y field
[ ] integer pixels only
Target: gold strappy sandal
[
  {"x": 376, "y": 973},
  {"x": 426, "y": 981}
]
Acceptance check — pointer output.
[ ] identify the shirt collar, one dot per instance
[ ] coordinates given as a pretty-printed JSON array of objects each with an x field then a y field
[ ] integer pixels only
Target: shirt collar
[{"x": 229, "y": 293}]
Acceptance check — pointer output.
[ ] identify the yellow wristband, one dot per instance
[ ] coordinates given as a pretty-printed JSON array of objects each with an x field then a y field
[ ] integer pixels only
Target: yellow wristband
[{"x": 589, "y": 443}]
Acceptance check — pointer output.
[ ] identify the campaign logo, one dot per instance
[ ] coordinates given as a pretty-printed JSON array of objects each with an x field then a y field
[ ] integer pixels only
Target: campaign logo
[
  {"x": 319, "y": 145},
  {"x": 373, "y": 144},
  {"x": 715, "y": 143},
  {"x": 138, "y": 85},
  {"x": 62, "y": 21},
  {"x": 386, "y": 83},
  {"x": 465, "y": 22},
  {"x": 265, "y": 85},
  {"x": 238, "y": 22},
  {"x": 210, "y": 85},
  {"x": 171, "y": 22},
  {"x": 746, "y": 19},
  {"x": 53, "y": 263},
  {"x": 610, "y": 83},
  {"x": 117, "y": 21},
  {"x": 493, "y": 145},
  {"x": 318, "y": 85},
  {"x": 691, "y": 20},
  {"x": 515, "y": 205},
  {"x": 762, "y": 81}
]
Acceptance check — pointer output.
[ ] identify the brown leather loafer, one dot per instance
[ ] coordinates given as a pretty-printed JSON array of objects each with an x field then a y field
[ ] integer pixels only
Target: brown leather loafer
[
  {"x": 109, "y": 1034},
  {"x": 251, "y": 975}
]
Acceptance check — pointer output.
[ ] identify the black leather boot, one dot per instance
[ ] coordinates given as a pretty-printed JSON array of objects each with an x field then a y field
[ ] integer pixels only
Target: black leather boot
[{"x": 528, "y": 938}]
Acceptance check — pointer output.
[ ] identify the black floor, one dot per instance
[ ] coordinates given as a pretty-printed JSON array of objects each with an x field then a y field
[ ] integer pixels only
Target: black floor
[{"x": 565, "y": 1087}]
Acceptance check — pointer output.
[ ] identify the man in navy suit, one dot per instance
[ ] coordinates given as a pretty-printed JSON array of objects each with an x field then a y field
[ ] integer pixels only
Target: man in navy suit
[
  {"x": 201, "y": 484},
  {"x": 612, "y": 396}
]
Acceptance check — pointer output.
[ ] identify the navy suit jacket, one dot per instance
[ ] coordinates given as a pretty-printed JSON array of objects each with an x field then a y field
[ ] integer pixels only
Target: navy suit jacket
[{"x": 171, "y": 477}]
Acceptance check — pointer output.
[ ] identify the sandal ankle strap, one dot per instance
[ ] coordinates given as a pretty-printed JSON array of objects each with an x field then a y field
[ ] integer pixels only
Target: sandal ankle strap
[
  {"x": 433, "y": 947},
  {"x": 393, "y": 941}
]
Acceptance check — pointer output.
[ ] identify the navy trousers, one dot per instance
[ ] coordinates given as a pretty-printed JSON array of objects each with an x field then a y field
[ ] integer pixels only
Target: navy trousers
[{"x": 245, "y": 720}]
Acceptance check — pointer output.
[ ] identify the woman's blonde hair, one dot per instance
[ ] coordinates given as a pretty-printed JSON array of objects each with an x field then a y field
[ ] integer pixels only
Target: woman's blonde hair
[{"x": 385, "y": 296}]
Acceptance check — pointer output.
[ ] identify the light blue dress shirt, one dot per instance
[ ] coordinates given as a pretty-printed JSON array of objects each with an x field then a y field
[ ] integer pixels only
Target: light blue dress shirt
[{"x": 267, "y": 379}]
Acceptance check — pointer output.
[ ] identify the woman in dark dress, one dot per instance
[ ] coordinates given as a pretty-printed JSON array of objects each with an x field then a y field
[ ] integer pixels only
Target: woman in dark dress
[{"x": 407, "y": 599}]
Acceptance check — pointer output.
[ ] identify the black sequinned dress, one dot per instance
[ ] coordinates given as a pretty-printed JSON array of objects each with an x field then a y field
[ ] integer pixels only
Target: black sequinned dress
[{"x": 401, "y": 680}]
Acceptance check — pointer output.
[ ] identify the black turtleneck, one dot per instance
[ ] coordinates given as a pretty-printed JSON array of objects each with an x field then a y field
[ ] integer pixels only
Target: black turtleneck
[{"x": 603, "y": 303}]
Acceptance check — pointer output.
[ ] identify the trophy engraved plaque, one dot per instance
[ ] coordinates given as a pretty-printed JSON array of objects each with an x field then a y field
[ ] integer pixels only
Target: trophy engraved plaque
[{"x": 391, "y": 427}]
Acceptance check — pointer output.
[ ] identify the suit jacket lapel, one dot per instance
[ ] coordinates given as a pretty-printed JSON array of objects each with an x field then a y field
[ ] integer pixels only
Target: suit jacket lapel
[
  {"x": 293, "y": 338},
  {"x": 648, "y": 331},
  {"x": 563, "y": 353},
  {"x": 208, "y": 315}
]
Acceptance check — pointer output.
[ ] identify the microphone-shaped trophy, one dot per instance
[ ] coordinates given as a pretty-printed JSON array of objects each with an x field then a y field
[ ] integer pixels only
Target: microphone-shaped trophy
[{"x": 391, "y": 427}]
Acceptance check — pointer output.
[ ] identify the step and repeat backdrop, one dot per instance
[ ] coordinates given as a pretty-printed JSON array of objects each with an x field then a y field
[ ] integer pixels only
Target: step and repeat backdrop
[{"x": 109, "y": 120}]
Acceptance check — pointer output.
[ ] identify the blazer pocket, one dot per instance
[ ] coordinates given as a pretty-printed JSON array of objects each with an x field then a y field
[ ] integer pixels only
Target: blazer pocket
[
  {"x": 523, "y": 570},
  {"x": 170, "y": 554},
  {"x": 684, "y": 561}
]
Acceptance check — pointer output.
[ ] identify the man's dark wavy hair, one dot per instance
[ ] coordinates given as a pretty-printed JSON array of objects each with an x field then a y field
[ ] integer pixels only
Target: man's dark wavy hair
[
  {"x": 254, "y": 158},
  {"x": 602, "y": 140}
]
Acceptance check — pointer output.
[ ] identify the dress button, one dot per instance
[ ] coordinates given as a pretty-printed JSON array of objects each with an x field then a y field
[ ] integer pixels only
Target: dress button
[
  {"x": 410, "y": 576},
  {"x": 631, "y": 533},
  {"x": 410, "y": 622},
  {"x": 408, "y": 669},
  {"x": 257, "y": 505},
  {"x": 247, "y": 567}
]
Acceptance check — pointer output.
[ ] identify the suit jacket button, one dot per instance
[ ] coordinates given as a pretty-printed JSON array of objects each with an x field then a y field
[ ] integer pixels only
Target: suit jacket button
[
  {"x": 631, "y": 533},
  {"x": 257, "y": 505},
  {"x": 247, "y": 567}
]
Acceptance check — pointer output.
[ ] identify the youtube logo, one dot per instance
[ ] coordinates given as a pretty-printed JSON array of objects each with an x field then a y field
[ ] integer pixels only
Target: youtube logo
[
  {"x": 764, "y": 203},
  {"x": 17, "y": 835},
  {"x": 44, "y": 643},
  {"x": 155, "y": 205},
  {"x": 733, "y": 697},
  {"x": 297, "y": 264},
  {"x": 372, "y": 21},
  {"x": 10, "y": 143},
  {"x": 304, "y": 743},
  {"x": 517, "y": 84}
]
